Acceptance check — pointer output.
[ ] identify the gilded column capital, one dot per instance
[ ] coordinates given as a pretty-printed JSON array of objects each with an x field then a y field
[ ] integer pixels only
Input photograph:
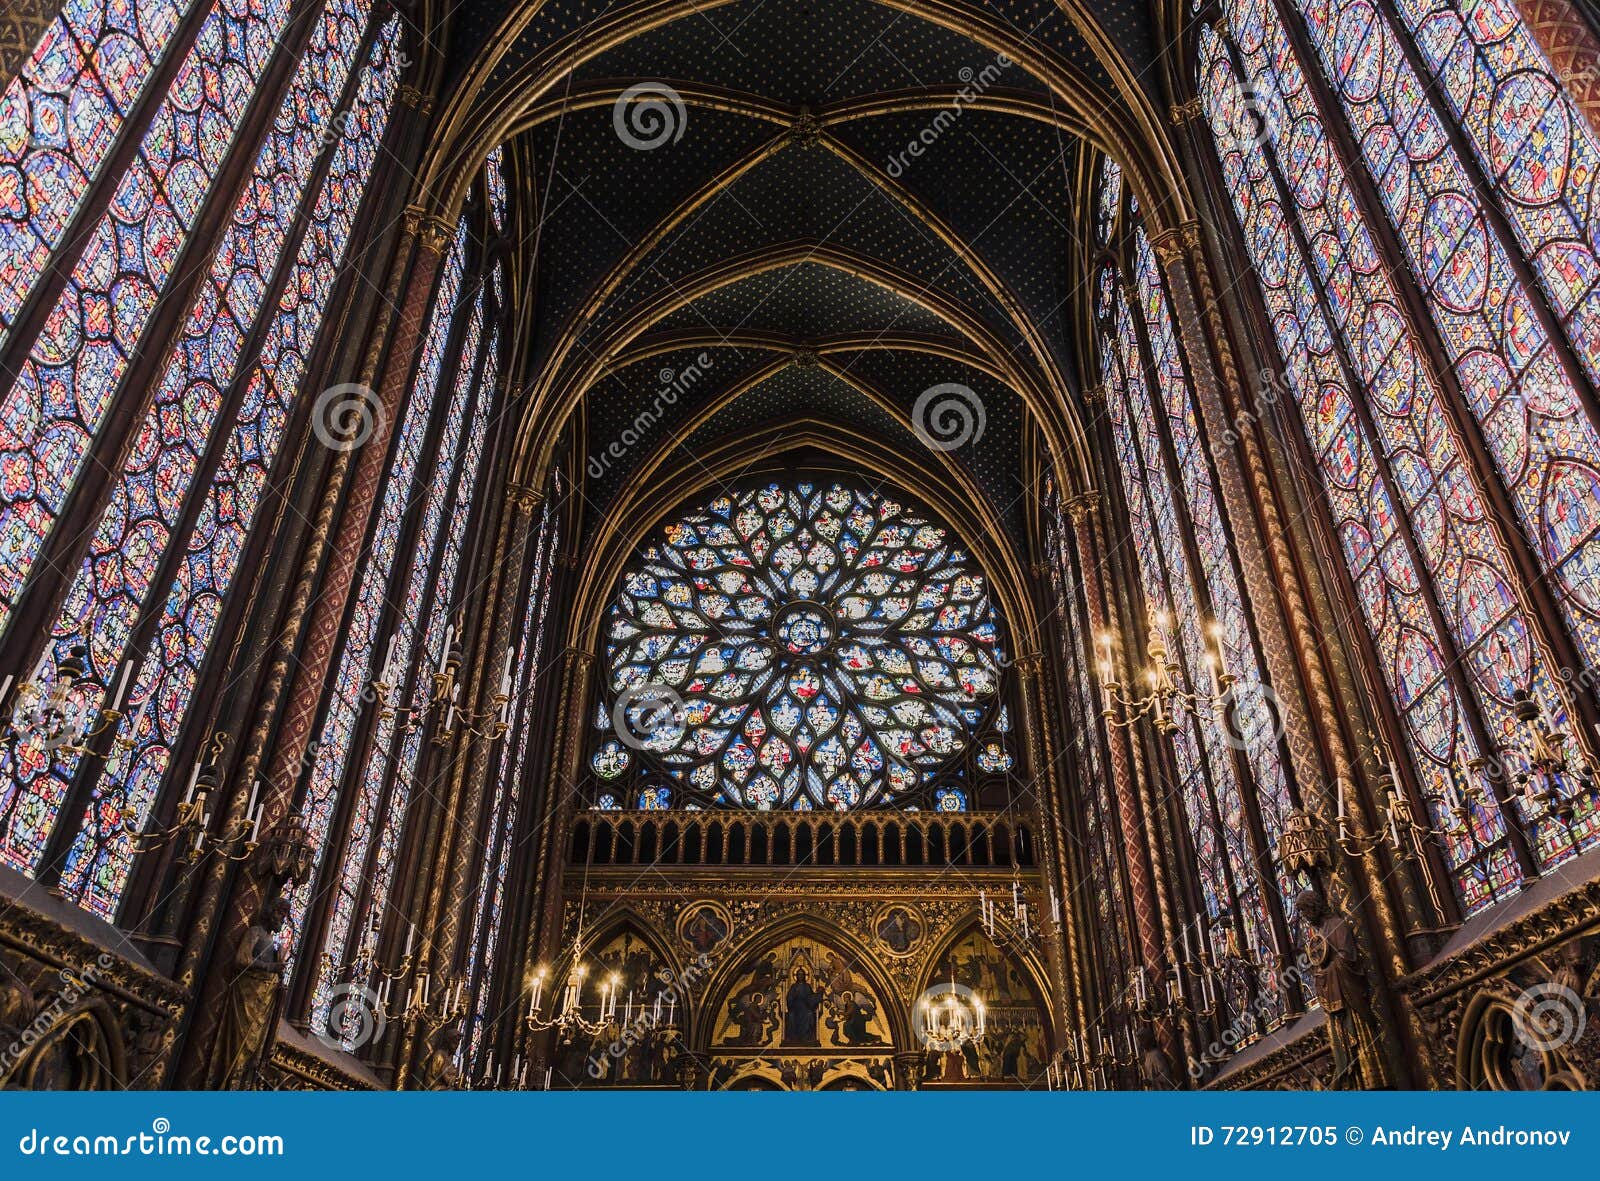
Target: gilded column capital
[
  {"x": 415, "y": 98},
  {"x": 1095, "y": 395},
  {"x": 1181, "y": 113},
  {"x": 1190, "y": 232},
  {"x": 1168, "y": 245},
  {"x": 525, "y": 497},
  {"x": 1082, "y": 506},
  {"x": 431, "y": 231},
  {"x": 1029, "y": 665}
]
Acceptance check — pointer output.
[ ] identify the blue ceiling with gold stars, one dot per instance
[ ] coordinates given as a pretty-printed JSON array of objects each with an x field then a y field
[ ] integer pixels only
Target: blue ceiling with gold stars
[{"x": 766, "y": 179}]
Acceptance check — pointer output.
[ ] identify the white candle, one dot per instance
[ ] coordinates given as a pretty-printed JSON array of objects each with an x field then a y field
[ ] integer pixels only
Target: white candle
[
  {"x": 411, "y": 936},
  {"x": 672, "y": 1007},
  {"x": 144, "y": 708},
  {"x": 444, "y": 652},
  {"x": 194, "y": 777},
  {"x": 505, "y": 675},
  {"x": 255, "y": 789},
  {"x": 548, "y": 1071},
  {"x": 122, "y": 687},
  {"x": 255, "y": 825}
]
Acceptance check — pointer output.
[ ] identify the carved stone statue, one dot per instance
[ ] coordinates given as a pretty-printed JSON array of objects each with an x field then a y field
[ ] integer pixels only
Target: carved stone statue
[
  {"x": 250, "y": 1008},
  {"x": 1335, "y": 960},
  {"x": 439, "y": 1071}
]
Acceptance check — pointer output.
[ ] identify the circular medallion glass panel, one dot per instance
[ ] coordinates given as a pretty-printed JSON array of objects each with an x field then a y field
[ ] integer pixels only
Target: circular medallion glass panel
[{"x": 807, "y": 645}]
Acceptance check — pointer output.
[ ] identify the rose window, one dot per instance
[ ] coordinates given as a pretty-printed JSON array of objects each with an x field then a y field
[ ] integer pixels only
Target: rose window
[{"x": 816, "y": 645}]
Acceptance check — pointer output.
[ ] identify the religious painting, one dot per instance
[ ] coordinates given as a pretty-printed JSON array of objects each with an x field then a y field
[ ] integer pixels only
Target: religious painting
[
  {"x": 1015, "y": 1047},
  {"x": 704, "y": 925},
  {"x": 641, "y": 1041},
  {"x": 899, "y": 929},
  {"x": 801, "y": 995}
]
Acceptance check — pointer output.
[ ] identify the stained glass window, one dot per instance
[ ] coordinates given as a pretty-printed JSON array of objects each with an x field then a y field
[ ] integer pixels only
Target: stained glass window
[
  {"x": 812, "y": 645},
  {"x": 153, "y": 510},
  {"x": 56, "y": 404},
  {"x": 58, "y": 121},
  {"x": 1208, "y": 784},
  {"x": 1519, "y": 396}
]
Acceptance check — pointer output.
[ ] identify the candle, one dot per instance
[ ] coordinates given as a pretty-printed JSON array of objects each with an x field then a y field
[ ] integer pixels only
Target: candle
[
  {"x": 411, "y": 936},
  {"x": 255, "y": 790},
  {"x": 122, "y": 687},
  {"x": 672, "y": 1008},
  {"x": 627, "y": 1012},
  {"x": 444, "y": 652},
  {"x": 505, "y": 675},
  {"x": 424, "y": 984},
  {"x": 1211, "y": 673},
  {"x": 388, "y": 659},
  {"x": 548, "y": 1071},
  {"x": 1188, "y": 948},
  {"x": 194, "y": 777},
  {"x": 255, "y": 825},
  {"x": 138, "y": 718},
  {"x": 5, "y": 685},
  {"x": 1394, "y": 822},
  {"x": 1339, "y": 784}
]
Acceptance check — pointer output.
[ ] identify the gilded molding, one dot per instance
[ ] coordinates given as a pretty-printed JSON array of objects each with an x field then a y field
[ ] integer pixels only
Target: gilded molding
[
  {"x": 1181, "y": 113},
  {"x": 416, "y": 99},
  {"x": 432, "y": 232}
]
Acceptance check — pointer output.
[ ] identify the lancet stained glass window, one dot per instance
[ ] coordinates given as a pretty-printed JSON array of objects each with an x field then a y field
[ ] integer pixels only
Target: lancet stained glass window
[
  {"x": 217, "y": 395},
  {"x": 1291, "y": 184},
  {"x": 813, "y": 645}
]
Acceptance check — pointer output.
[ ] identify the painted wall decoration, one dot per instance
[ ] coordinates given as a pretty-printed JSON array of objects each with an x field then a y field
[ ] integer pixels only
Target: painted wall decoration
[
  {"x": 801, "y": 995},
  {"x": 1015, "y": 1047}
]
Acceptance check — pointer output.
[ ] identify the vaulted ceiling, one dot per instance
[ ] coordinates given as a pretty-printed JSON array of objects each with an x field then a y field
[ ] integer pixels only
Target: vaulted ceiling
[{"x": 837, "y": 204}]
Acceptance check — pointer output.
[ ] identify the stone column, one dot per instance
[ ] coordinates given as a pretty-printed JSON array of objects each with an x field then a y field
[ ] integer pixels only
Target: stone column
[{"x": 1142, "y": 886}]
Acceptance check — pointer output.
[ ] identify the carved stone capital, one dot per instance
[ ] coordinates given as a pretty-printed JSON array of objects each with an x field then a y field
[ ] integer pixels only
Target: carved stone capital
[
  {"x": 416, "y": 99},
  {"x": 431, "y": 231},
  {"x": 1181, "y": 113},
  {"x": 1094, "y": 396},
  {"x": 1082, "y": 506},
  {"x": 1169, "y": 246},
  {"x": 525, "y": 497}
]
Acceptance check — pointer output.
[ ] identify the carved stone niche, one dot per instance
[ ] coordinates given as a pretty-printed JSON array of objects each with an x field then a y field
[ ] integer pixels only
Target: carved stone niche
[
  {"x": 1514, "y": 1003},
  {"x": 1536, "y": 1028},
  {"x": 76, "y": 1013}
]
